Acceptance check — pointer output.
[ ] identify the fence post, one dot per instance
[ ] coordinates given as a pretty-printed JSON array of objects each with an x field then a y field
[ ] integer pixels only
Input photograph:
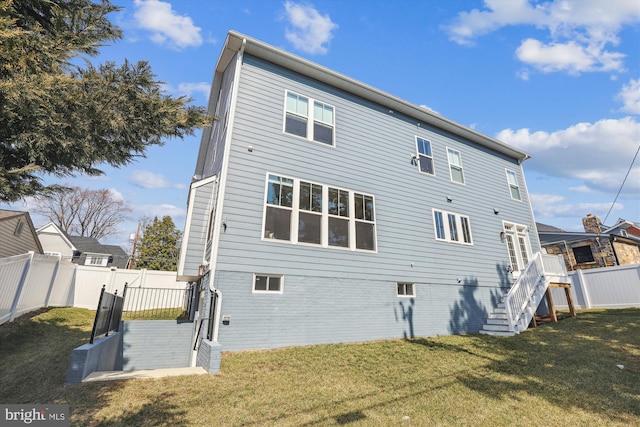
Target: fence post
[
  {"x": 95, "y": 321},
  {"x": 54, "y": 275},
  {"x": 584, "y": 286},
  {"x": 23, "y": 280}
]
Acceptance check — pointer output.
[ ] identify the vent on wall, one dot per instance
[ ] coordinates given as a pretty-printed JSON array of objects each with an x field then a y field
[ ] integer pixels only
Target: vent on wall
[{"x": 19, "y": 227}]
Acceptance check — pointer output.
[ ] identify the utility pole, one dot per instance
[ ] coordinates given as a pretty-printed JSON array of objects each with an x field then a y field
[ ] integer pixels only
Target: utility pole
[{"x": 133, "y": 252}]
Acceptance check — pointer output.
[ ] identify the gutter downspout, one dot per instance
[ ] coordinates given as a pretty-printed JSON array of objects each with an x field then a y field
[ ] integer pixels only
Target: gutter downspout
[
  {"x": 613, "y": 248},
  {"x": 222, "y": 184}
]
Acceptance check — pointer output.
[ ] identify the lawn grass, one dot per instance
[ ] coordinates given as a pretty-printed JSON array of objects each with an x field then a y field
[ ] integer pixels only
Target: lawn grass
[{"x": 557, "y": 374}]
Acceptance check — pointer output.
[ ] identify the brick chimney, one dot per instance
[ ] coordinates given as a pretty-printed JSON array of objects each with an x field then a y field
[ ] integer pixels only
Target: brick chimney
[{"x": 591, "y": 224}]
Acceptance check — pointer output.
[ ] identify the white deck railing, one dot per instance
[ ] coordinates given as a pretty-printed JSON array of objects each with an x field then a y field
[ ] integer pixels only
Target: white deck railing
[{"x": 525, "y": 295}]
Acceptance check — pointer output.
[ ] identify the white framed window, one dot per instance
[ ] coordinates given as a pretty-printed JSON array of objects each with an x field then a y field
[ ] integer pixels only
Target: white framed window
[
  {"x": 516, "y": 238},
  {"x": 455, "y": 166},
  {"x": 309, "y": 118},
  {"x": 303, "y": 212},
  {"x": 514, "y": 188},
  {"x": 405, "y": 289},
  {"x": 279, "y": 208},
  {"x": 452, "y": 227},
  {"x": 268, "y": 283},
  {"x": 425, "y": 157}
]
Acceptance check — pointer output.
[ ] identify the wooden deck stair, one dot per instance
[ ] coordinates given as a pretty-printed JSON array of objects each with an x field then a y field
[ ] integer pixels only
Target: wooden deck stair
[{"x": 519, "y": 304}]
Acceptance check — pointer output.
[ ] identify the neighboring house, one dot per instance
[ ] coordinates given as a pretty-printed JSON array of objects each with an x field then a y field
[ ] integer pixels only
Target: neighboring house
[
  {"x": 597, "y": 246},
  {"x": 81, "y": 250},
  {"x": 624, "y": 228},
  {"x": 325, "y": 210},
  {"x": 17, "y": 234}
]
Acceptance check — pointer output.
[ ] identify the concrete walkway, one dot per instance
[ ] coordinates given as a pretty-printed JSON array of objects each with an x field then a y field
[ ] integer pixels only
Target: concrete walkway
[{"x": 149, "y": 373}]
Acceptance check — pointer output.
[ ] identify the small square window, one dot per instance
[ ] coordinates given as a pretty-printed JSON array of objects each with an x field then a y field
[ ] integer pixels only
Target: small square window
[
  {"x": 406, "y": 289},
  {"x": 267, "y": 283}
]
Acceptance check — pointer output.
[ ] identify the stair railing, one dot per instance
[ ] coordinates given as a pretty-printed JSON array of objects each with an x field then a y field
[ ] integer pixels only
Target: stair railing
[{"x": 517, "y": 299}]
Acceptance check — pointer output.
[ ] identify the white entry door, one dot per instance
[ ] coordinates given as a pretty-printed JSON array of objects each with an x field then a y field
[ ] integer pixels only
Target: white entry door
[{"x": 518, "y": 245}]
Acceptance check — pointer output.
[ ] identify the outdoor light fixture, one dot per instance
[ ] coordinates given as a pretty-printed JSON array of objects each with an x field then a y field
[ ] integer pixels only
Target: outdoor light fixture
[
  {"x": 449, "y": 199},
  {"x": 495, "y": 211}
]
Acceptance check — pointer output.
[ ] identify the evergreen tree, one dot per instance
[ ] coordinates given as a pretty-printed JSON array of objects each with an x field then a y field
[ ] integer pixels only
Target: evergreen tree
[
  {"x": 61, "y": 115},
  {"x": 159, "y": 245}
]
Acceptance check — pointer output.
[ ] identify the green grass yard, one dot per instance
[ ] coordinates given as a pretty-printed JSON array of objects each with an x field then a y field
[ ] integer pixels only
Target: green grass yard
[{"x": 557, "y": 374}]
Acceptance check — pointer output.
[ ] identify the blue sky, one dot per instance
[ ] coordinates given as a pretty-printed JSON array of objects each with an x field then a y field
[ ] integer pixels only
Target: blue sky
[{"x": 558, "y": 79}]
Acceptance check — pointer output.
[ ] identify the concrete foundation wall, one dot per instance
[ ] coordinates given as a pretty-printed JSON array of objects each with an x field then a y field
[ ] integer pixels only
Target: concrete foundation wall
[
  {"x": 105, "y": 354},
  {"x": 156, "y": 344},
  {"x": 209, "y": 356}
]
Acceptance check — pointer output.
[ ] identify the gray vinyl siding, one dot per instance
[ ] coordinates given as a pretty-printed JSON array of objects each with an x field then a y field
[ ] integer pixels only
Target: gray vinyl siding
[
  {"x": 10, "y": 244},
  {"x": 197, "y": 235},
  {"x": 216, "y": 143},
  {"x": 333, "y": 295}
]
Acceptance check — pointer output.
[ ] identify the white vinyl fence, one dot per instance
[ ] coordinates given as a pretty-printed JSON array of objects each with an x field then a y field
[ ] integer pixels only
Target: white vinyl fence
[
  {"x": 607, "y": 287},
  {"x": 31, "y": 281}
]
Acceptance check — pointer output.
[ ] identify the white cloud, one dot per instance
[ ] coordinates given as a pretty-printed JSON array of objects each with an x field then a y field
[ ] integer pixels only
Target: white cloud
[
  {"x": 553, "y": 206},
  {"x": 598, "y": 154},
  {"x": 310, "y": 31},
  {"x": 150, "y": 180},
  {"x": 630, "y": 97},
  {"x": 160, "y": 211},
  {"x": 581, "y": 189},
  {"x": 571, "y": 57},
  {"x": 579, "y": 31},
  {"x": 116, "y": 194},
  {"x": 166, "y": 26},
  {"x": 189, "y": 88}
]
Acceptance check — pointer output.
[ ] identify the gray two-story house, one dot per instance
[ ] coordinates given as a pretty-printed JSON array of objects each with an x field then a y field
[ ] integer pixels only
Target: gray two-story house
[{"x": 324, "y": 210}]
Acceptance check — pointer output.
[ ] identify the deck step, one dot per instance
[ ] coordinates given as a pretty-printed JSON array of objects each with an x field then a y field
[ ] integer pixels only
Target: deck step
[{"x": 497, "y": 333}]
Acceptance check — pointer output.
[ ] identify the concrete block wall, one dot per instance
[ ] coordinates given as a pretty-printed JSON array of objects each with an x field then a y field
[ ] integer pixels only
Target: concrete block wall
[
  {"x": 105, "y": 354},
  {"x": 156, "y": 344}
]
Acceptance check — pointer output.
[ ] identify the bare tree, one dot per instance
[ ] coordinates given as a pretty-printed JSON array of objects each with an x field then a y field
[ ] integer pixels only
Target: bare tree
[{"x": 84, "y": 212}]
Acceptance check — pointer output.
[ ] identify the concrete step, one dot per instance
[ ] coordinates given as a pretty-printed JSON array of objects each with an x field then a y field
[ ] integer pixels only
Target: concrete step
[
  {"x": 496, "y": 327},
  {"x": 497, "y": 333},
  {"x": 145, "y": 373}
]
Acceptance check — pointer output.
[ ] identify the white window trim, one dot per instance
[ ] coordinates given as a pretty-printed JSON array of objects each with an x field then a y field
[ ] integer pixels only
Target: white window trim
[
  {"x": 517, "y": 185},
  {"x": 464, "y": 181},
  {"x": 433, "y": 162},
  {"x": 413, "y": 289},
  {"x": 278, "y": 292},
  {"x": 324, "y": 224},
  {"x": 310, "y": 119},
  {"x": 447, "y": 231}
]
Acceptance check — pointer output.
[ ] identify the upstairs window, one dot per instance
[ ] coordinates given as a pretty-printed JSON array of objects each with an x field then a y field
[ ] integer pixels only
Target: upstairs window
[
  {"x": 297, "y": 114},
  {"x": 455, "y": 166},
  {"x": 279, "y": 208},
  {"x": 425, "y": 158},
  {"x": 298, "y": 211},
  {"x": 514, "y": 188},
  {"x": 365, "y": 225},
  {"x": 452, "y": 227},
  {"x": 309, "y": 119},
  {"x": 338, "y": 217},
  {"x": 310, "y": 215}
]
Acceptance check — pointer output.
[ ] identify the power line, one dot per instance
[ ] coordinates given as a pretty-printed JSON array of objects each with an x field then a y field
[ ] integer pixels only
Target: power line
[{"x": 623, "y": 181}]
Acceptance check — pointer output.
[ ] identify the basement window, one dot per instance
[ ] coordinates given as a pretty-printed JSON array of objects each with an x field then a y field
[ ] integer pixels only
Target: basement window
[
  {"x": 267, "y": 283},
  {"x": 405, "y": 289}
]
